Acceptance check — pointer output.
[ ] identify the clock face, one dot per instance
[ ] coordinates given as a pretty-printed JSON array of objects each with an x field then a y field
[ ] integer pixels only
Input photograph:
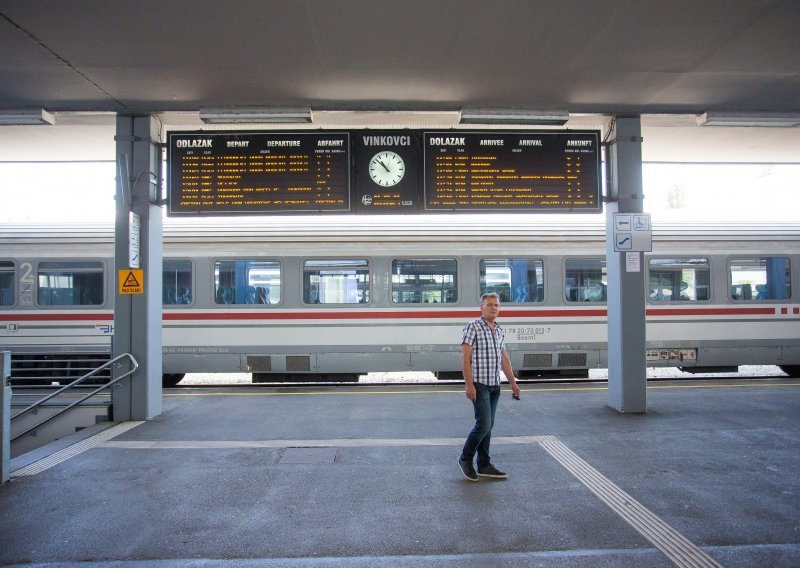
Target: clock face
[{"x": 387, "y": 168}]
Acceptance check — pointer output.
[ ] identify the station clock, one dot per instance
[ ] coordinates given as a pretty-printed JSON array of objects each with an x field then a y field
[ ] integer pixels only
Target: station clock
[{"x": 387, "y": 168}]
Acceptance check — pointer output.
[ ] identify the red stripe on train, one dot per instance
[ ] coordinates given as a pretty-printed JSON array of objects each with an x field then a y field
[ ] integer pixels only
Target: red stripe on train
[
  {"x": 104, "y": 316},
  {"x": 400, "y": 314},
  {"x": 416, "y": 314},
  {"x": 275, "y": 315},
  {"x": 711, "y": 312}
]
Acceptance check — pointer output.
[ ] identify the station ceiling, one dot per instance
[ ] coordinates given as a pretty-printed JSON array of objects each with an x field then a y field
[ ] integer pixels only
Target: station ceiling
[{"x": 351, "y": 61}]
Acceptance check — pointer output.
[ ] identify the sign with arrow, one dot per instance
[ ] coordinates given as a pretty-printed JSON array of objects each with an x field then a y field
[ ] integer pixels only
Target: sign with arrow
[{"x": 633, "y": 232}]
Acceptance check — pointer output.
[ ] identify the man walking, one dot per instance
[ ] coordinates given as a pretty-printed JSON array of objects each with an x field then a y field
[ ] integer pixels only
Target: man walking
[{"x": 483, "y": 355}]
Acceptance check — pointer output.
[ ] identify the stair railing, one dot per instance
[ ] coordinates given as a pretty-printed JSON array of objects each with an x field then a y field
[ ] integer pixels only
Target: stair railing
[{"x": 38, "y": 403}]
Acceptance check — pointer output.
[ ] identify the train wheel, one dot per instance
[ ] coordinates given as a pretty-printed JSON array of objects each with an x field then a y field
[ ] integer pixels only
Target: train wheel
[
  {"x": 322, "y": 377},
  {"x": 791, "y": 370},
  {"x": 169, "y": 380},
  {"x": 269, "y": 377},
  {"x": 339, "y": 378},
  {"x": 449, "y": 376}
]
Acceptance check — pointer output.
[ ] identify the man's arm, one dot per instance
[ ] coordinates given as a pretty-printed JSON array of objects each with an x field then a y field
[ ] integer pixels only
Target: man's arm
[
  {"x": 466, "y": 370},
  {"x": 509, "y": 372}
]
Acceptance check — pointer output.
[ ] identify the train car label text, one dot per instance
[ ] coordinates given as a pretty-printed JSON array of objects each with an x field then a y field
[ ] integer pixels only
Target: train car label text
[
  {"x": 672, "y": 354},
  {"x": 515, "y": 334},
  {"x": 204, "y": 349},
  {"x": 26, "y": 283}
]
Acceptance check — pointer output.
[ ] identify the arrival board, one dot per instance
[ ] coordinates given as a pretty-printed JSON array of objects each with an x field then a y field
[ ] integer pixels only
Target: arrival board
[{"x": 505, "y": 171}]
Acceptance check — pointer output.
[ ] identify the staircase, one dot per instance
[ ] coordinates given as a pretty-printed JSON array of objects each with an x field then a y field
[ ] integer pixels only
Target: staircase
[
  {"x": 84, "y": 414},
  {"x": 40, "y": 415}
]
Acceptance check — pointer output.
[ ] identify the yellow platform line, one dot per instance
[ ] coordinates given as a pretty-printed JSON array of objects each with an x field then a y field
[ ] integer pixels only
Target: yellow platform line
[
  {"x": 75, "y": 449},
  {"x": 461, "y": 390}
]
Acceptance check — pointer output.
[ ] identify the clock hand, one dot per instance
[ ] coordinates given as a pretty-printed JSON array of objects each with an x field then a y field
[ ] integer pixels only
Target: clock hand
[{"x": 384, "y": 166}]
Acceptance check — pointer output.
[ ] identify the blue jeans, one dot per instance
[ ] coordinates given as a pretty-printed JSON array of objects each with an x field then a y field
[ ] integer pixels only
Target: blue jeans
[{"x": 485, "y": 405}]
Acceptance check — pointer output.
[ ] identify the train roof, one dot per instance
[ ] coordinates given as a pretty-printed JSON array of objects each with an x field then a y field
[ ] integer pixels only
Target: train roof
[{"x": 419, "y": 228}]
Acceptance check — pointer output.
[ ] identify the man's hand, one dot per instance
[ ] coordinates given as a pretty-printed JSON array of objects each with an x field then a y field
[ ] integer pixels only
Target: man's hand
[
  {"x": 471, "y": 394},
  {"x": 466, "y": 370}
]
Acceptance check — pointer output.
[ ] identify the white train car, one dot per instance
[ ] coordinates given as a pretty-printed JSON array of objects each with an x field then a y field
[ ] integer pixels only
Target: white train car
[{"x": 295, "y": 300}]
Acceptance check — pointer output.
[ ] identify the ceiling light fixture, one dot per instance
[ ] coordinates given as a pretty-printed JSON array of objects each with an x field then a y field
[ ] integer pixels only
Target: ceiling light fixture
[
  {"x": 494, "y": 116},
  {"x": 392, "y": 118},
  {"x": 25, "y": 117},
  {"x": 274, "y": 115},
  {"x": 768, "y": 119}
]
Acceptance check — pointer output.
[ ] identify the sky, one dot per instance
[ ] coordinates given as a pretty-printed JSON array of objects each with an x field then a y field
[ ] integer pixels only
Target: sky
[{"x": 84, "y": 192}]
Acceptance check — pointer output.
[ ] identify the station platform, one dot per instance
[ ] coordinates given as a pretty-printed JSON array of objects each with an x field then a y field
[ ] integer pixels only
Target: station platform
[{"x": 368, "y": 476}]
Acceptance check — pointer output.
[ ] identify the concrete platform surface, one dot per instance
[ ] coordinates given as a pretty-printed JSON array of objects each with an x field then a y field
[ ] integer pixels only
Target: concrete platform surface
[{"x": 368, "y": 476}]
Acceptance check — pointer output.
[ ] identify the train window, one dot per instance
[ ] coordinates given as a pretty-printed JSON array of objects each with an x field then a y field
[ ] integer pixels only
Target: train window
[
  {"x": 68, "y": 283},
  {"x": 585, "y": 280},
  {"x": 176, "y": 277},
  {"x": 244, "y": 281},
  {"x": 424, "y": 281},
  {"x": 6, "y": 283},
  {"x": 760, "y": 278},
  {"x": 515, "y": 280},
  {"x": 679, "y": 279},
  {"x": 336, "y": 281}
]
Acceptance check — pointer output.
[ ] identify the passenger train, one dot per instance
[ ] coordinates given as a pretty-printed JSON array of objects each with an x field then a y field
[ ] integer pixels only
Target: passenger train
[{"x": 290, "y": 300}]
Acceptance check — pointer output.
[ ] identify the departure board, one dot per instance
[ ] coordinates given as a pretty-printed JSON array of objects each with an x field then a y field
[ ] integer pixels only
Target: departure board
[
  {"x": 511, "y": 171},
  {"x": 223, "y": 172}
]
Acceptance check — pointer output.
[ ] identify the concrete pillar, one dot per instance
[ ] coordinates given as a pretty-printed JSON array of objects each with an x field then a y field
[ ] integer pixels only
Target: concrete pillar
[
  {"x": 5, "y": 416},
  {"x": 137, "y": 317},
  {"x": 627, "y": 369}
]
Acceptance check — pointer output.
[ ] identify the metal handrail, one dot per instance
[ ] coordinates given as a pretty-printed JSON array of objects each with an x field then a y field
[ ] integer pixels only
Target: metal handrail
[{"x": 74, "y": 384}]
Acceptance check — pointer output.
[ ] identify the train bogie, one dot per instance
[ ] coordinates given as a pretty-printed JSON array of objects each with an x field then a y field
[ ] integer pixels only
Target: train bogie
[{"x": 791, "y": 370}]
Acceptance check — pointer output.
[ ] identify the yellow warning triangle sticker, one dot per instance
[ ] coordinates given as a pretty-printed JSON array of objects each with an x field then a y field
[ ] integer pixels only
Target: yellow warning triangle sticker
[{"x": 130, "y": 281}]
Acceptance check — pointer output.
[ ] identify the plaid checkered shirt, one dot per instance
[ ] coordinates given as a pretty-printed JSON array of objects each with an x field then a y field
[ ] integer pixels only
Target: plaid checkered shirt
[{"x": 487, "y": 350}]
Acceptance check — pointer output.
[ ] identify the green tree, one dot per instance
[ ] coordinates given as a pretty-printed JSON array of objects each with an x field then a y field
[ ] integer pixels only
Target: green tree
[{"x": 675, "y": 198}]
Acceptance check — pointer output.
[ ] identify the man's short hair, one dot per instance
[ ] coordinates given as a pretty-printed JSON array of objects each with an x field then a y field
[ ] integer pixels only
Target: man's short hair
[{"x": 489, "y": 295}]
